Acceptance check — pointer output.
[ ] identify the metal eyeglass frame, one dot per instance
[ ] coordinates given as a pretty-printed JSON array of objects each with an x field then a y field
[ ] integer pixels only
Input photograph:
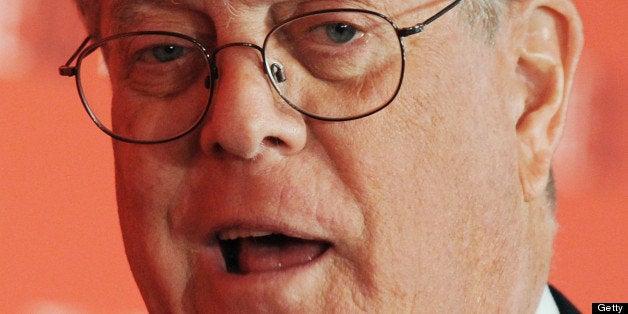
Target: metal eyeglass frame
[{"x": 83, "y": 50}]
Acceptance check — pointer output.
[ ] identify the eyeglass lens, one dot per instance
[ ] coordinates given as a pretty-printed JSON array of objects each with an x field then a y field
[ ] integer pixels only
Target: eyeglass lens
[
  {"x": 337, "y": 65},
  {"x": 146, "y": 87},
  {"x": 154, "y": 87}
]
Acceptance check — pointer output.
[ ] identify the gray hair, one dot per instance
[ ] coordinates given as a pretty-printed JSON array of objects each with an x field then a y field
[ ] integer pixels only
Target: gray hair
[{"x": 486, "y": 13}]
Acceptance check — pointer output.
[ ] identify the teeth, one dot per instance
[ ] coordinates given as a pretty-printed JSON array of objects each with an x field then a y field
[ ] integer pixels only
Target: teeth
[{"x": 234, "y": 234}]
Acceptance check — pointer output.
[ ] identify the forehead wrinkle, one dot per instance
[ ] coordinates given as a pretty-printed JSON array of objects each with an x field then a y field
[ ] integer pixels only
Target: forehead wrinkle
[
  {"x": 123, "y": 11},
  {"x": 125, "y": 8},
  {"x": 231, "y": 4}
]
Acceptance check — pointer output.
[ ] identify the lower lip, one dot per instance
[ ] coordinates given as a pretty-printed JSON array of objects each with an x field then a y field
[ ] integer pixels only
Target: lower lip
[
  {"x": 283, "y": 278},
  {"x": 211, "y": 289}
]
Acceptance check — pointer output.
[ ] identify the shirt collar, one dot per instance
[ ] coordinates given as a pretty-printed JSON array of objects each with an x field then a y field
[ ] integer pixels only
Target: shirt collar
[{"x": 547, "y": 304}]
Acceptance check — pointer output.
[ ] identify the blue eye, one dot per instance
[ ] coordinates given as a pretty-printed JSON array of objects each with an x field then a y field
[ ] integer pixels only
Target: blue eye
[
  {"x": 341, "y": 33},
  {"x": 167, "y": 53}
]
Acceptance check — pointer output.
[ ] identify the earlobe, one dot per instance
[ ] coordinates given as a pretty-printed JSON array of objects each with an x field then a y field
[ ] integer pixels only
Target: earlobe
[{"x": 548, "y": 53}]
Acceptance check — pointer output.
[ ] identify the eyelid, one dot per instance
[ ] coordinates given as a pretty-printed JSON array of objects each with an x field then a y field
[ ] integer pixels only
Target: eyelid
[
  {"x": 319, "y": 22},
  {"x": 151, "y": 41},
  {"x": 172, "y": 16},
  {"x": 149, "y": 53},
  {"x": 322, "y": 27}
]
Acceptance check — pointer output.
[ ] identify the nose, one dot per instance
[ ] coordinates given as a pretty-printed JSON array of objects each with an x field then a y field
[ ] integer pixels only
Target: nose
[{"x": 246, "y": 118}]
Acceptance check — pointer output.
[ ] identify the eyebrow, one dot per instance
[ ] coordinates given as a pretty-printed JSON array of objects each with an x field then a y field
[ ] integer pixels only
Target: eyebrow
[
  {"x": 122, "y": 8},
  {"x": 123, "y": 13}
]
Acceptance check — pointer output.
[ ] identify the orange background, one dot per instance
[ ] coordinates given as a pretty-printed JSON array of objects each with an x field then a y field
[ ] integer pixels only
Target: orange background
[{"x": 60, "y": 246}]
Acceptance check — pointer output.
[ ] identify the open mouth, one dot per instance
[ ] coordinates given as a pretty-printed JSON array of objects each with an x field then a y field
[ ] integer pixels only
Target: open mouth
[{"x": 264, "y": 252}]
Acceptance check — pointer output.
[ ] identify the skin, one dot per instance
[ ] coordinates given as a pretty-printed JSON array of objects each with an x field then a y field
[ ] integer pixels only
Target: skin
[{"x": 437, "y": 203}]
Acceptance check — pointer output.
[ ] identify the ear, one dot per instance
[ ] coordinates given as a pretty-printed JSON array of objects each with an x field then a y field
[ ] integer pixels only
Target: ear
[{"x": 547, "y": 55}]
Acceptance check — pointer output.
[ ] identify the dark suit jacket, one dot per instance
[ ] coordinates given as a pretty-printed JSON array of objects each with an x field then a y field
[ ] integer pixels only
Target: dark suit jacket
[{"x": 564, "y": 306}]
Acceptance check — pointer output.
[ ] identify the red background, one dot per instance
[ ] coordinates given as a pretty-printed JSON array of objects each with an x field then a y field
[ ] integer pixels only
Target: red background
[{"x": 60, "y": 246}]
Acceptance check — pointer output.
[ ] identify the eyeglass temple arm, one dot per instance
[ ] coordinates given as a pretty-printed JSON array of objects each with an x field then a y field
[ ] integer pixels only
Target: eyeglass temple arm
[
  {"x": 67, "y": 69},
  {"x": 419, "y": 27}
]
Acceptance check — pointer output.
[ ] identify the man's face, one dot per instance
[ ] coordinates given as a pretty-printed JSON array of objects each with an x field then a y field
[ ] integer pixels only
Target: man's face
[{"x": 417, "y": 207}]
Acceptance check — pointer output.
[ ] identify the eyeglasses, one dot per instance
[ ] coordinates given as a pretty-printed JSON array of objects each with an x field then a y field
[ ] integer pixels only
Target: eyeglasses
[{"x": 157, "y": 86}]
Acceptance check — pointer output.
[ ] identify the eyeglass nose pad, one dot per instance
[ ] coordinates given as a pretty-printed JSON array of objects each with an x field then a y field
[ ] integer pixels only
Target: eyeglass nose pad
[
  {"x": 278, "y": 73},
  {"x": 213, "y": 70},
  {"x": 213, "y": 75}
]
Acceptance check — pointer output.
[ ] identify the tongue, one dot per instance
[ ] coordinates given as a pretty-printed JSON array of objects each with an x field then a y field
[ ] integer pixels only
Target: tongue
[{"x": 276, "y": 252}]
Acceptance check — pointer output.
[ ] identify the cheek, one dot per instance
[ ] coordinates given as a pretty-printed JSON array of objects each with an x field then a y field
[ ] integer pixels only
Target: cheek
[
  {"x": 435, "y": 174},
  {"x": 136, "y": 116},
  {"x": 144, "y": 196},
  {"x": 149, "y": 182}
]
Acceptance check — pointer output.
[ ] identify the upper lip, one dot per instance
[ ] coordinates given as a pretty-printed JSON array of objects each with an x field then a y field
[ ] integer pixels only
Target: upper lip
[
  {"x": 220, "y": 238},
  {"x": 255, "y": 226},
  {"x": 236, "y": 233},
  {"x": 287, "y": 206}
]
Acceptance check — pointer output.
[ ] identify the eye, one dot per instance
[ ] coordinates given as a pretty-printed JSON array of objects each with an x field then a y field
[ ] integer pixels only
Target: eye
[
  {"x": 167, "y": 53},
  {"x": 341, "y": 33}
]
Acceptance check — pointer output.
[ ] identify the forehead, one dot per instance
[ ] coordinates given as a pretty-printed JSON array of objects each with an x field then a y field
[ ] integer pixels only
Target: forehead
[
  {"x": 126, "y": 15},
  {"x": 130, "y": 15},
  {"x": 126, "y": 8}
]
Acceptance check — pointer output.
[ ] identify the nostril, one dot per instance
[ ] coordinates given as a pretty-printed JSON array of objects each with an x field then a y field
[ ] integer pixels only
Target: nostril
[
  {"x": 218, "y": 149},
  {"x": 273, "y": 141},
  {"x": 248, "y": 153}
]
